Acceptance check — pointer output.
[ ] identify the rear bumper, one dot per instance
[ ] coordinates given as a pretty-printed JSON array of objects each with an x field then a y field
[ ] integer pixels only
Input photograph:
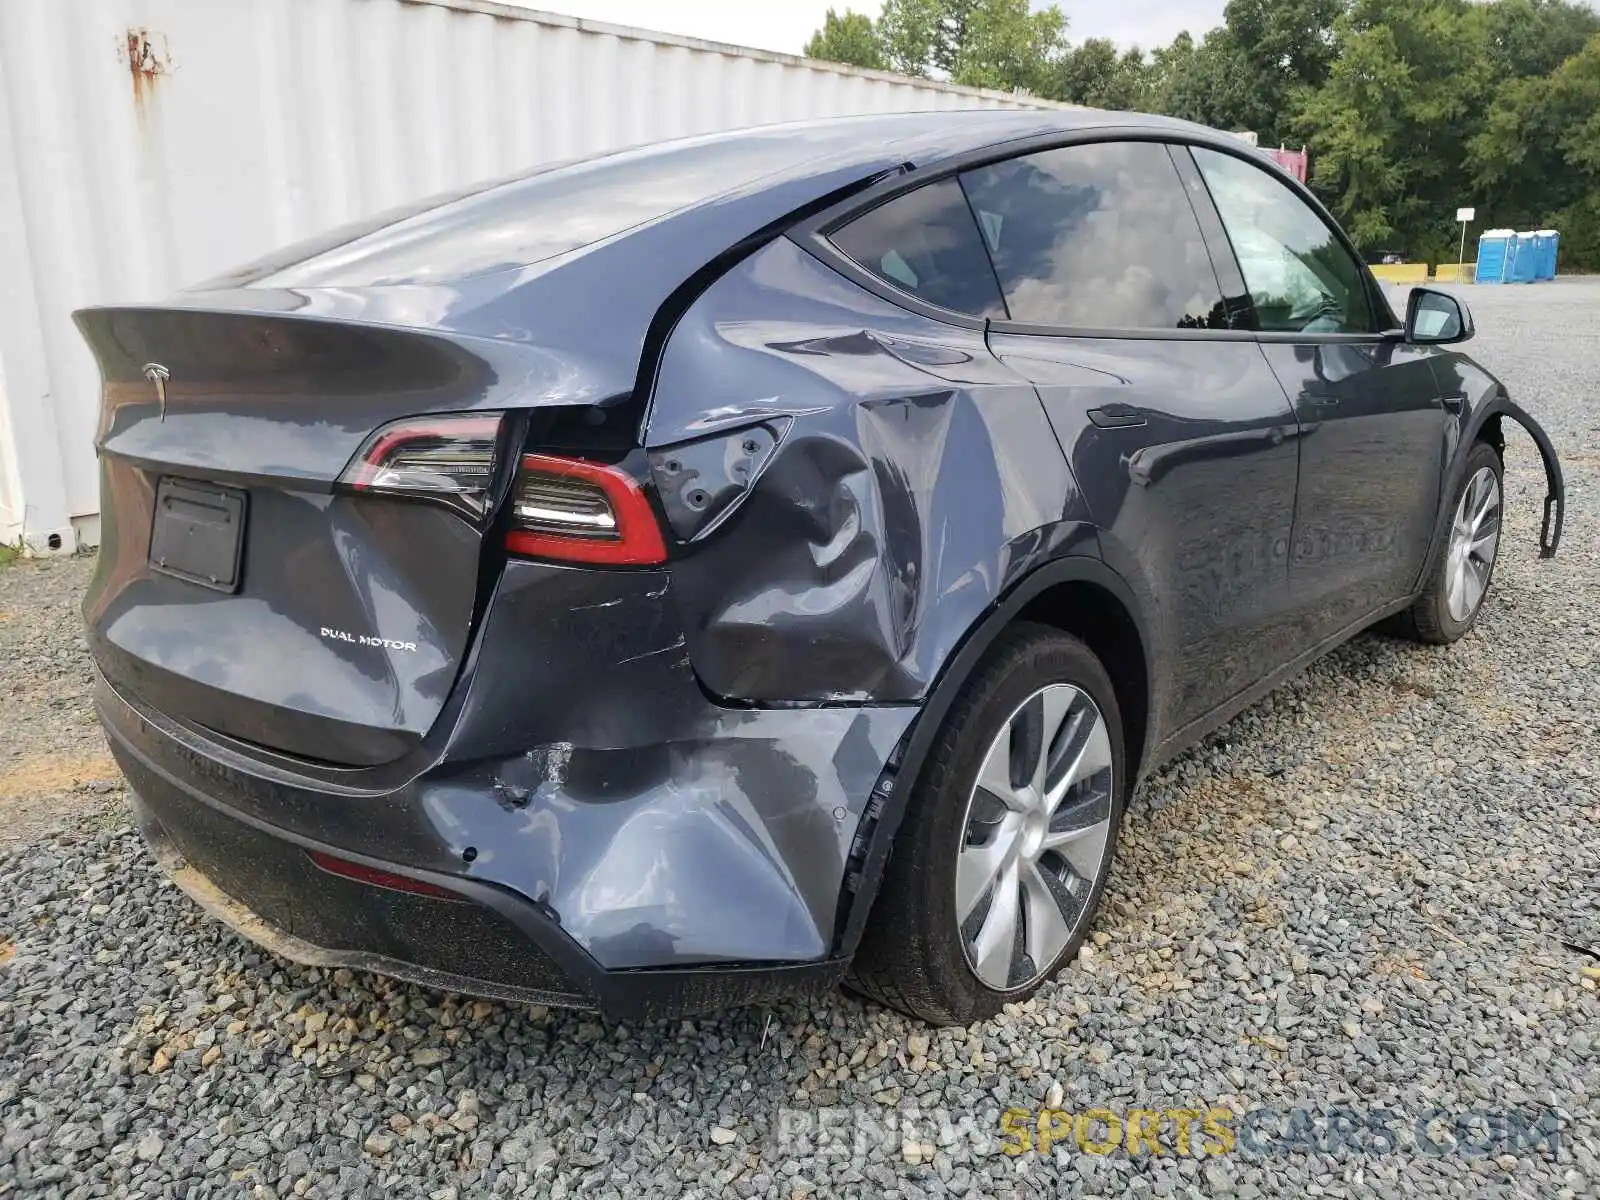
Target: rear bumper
[
  {"x": 311, "y": 916},
  {"x": 642, "y": 882}
]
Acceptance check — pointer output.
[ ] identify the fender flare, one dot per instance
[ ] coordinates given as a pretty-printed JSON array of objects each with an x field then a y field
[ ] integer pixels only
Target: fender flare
[
  {"x": 1555, "y": 501},
  {"x": 880, "y": 823}
]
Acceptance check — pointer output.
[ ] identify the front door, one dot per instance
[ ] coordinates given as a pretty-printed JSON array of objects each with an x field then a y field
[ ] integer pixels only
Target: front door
[{"x": 1373, "y": 425}]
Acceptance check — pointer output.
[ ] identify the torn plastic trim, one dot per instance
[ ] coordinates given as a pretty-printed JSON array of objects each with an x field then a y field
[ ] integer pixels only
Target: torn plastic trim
[
  {"x": 702, "y": 482},
  {"x": 1555, "y": 501}
]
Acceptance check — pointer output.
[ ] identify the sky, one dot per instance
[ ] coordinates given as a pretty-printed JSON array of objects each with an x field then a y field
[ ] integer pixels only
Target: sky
[{"x": 786, "y": 25}]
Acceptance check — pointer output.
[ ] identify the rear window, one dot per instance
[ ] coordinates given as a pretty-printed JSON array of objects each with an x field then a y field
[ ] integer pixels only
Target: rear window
[
  {"x": 927, "y": 244},
  {"x": 540, "y": 216}
]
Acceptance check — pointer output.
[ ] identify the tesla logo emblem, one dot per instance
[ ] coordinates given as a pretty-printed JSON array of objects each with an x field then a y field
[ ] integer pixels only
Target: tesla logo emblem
[{"x": 158, "y": 375}]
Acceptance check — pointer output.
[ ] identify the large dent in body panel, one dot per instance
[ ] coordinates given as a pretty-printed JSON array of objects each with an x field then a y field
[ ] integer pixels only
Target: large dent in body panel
[
  {"x": 656, "y": 827},
  {"x": 916, "y": 480},
  {"x": 722, "y": 847}
]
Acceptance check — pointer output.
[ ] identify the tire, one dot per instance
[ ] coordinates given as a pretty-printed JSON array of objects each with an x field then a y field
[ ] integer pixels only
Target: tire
[
  {"x": 1437, "y": 617},
  {"x": 916, "y": 955}
]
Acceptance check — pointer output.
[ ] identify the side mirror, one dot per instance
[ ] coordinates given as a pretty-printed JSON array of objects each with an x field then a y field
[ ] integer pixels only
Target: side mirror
[{"x": 1435, "y": 318}]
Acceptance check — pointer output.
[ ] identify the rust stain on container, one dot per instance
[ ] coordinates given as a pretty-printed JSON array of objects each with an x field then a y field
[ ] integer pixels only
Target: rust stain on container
[{"x": 146, "y": 62}]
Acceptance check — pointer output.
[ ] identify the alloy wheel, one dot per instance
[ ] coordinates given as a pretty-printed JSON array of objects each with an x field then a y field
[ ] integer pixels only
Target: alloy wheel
[
  {"x": 1034, "y": 837},
  {"x": 1474, "y": 538}
]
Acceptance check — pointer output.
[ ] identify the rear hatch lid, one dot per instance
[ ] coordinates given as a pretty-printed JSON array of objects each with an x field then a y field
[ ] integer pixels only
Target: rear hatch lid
[{"x": 258, "y": 576}]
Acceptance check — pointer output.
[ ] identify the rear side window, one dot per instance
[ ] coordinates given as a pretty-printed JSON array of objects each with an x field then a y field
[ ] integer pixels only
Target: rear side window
[
  {"x": 1096, "y": 236},
  {"x": 926, "y": 243}
]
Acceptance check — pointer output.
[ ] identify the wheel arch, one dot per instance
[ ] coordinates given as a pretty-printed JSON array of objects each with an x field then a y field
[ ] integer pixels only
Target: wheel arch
[
  {"x": 1094, "y": 614},
  {"x": 1078, "y": 594},
  {"x": 1490, "y": 430},
  {"x": 1487, "y": 424}
]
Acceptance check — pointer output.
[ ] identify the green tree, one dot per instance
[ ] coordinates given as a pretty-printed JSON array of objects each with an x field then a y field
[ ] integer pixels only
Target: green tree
[
  {"x": 850, "y": 39},
  {"x": 1253, "y": 71},
  {"x": 980, "y": 43},
  {"x": 1095, "y": 74},
  {"x": 1168, "y": 65},
  {"x": 1009, "y": 47},
  {"x": 1536, "y": 160},
  {"x": 1388, "y": 130},
  {"x": 1208, "y": 82},
  {"x": 923, "y": 37},
  {"x": 1276, "y": 52},
  {"x": 1353, "y": 125},
  {"x": 1534, "y": 37},
  {"x": 1433, "y": 104}
]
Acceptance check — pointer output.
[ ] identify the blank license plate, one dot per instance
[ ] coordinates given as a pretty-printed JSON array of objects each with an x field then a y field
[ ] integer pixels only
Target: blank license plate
[{"x": 199, "y": 533}]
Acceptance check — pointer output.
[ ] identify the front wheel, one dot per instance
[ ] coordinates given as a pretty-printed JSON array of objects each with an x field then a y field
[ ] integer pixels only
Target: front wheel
[
  {"x": 1007, "y": 840},
  {"x": 1458, "y": 578}
]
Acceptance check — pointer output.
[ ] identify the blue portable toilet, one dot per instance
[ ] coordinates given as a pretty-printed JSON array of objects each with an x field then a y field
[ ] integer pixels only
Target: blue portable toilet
[
  {"x": 1549, "y": 247},
  {"x": 1496, "y": 248},
  {"x": 1525, "y": 259}
]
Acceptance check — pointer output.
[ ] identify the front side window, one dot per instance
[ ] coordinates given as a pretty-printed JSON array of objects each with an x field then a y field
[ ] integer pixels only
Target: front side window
[
  {"x": 1097, "y": 236},
  {"x": 1300, "y": 276},
  {"x": 926, "y": 244}
]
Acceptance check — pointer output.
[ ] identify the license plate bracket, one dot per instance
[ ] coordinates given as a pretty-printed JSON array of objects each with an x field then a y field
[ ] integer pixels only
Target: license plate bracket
[{"x": 198, "y": 534}]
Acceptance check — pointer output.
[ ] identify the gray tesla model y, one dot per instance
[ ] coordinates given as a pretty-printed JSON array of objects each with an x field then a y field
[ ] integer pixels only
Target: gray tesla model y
[{"x": 761, "y": 561}]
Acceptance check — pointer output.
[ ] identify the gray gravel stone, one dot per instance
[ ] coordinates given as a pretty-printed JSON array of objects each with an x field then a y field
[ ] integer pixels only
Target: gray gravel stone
[
  {"x": 1354, "y": 897},
  {"x": 54, "y": 765}
]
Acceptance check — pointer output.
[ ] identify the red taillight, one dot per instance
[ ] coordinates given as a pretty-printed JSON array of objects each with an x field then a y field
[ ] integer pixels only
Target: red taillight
[
  {"x": 346, "y": 869},
  {"x": 448, "y": 459},
  {"x": 578, "y": 511}
]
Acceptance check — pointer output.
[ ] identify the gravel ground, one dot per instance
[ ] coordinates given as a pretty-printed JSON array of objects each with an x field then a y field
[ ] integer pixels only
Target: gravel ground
[
  {"x": 1364, "y": 894},
  {"x": 54, "y": 765}
]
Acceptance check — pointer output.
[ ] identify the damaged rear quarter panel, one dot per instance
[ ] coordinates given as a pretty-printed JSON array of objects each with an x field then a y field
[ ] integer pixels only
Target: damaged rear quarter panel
[
  {"x": 655, "y": 827},
  {"x": 916, "y": 479}
]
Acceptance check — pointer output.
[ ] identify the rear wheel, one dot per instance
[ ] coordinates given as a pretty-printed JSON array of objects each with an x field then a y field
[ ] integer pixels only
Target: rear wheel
[
  {"x": 1007, "y": 839},
  {"x": 1458, "y": 578}
]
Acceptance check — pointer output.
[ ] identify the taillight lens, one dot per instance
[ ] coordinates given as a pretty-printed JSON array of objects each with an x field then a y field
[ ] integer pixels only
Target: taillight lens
[
  {"x": 449, "y": 459},
  {"x": 579, "y": 511}
]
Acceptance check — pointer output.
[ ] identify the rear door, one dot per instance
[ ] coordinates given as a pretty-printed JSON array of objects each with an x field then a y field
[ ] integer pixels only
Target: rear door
[
  {"x": 1373, "y": 422},
  {"x": 1177, "y": 431}
]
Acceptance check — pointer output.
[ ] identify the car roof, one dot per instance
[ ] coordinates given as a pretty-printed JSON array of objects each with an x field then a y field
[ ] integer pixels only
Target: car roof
[
  {"x": 922, "y": 139},
  {"x": 929, "y": 137}
]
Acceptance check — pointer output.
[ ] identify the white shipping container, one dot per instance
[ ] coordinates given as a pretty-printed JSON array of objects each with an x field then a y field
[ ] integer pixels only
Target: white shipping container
[{"x": 146, "y": 144}]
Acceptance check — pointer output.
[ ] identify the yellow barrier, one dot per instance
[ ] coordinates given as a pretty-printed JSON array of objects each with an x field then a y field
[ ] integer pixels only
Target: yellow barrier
[
  {"x": 1455, "y": 273},
  {"x": 1402, "y": 272}
]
